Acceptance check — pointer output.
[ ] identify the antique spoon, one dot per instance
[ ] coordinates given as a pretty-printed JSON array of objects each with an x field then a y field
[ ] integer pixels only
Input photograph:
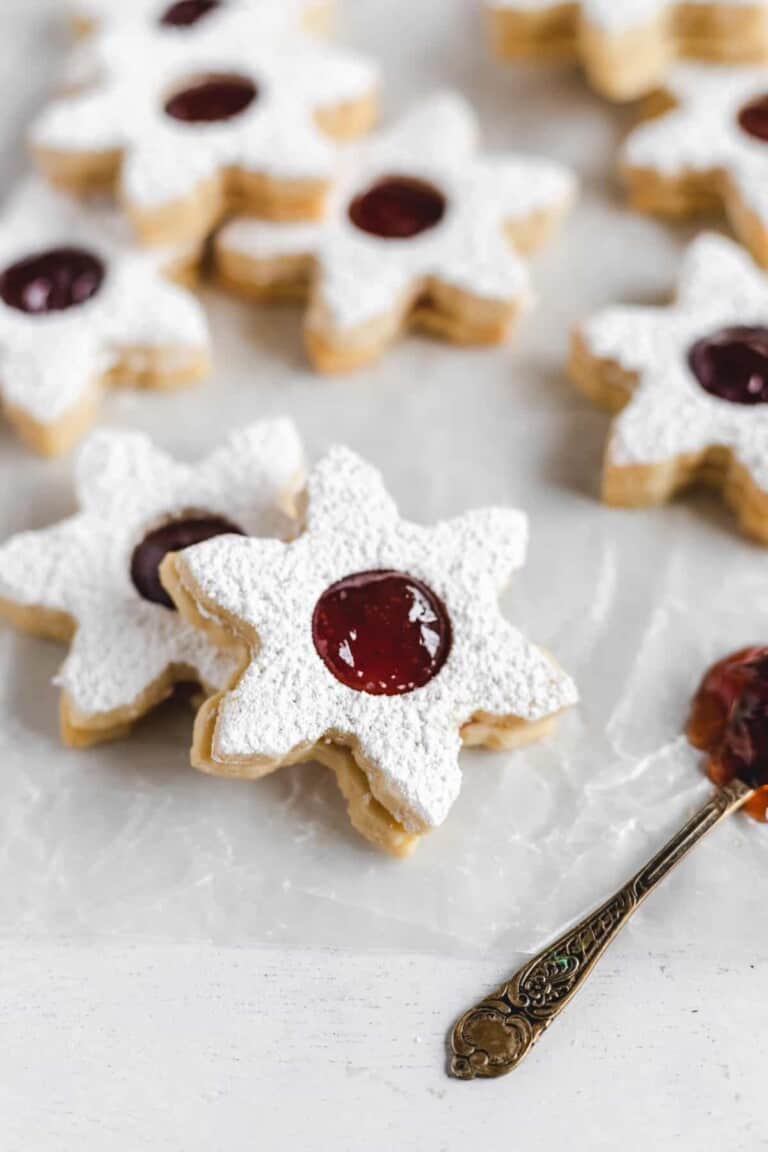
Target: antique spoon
[{"x": 729, "y": 718}]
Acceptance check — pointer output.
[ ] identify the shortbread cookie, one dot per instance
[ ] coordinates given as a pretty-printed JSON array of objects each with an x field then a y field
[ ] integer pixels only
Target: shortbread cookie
[
  {"x": 710, "y": 151},
  {"x": 92, "y": 579},
  {"x": 372, "y": 635},
  {"x": 89, "y": 16},
  {"x": 80, "y": 307},
  {"x": 627, "y": 46},
  {"x": 191, "y": 135},
  {"x": 690, "y": 384},
  {"x": 421, "y": 231}
]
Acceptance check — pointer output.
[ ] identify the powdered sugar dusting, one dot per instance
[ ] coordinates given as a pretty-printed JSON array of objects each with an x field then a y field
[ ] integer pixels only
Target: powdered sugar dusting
[
  {"x": 363, "y": 277},
  {"x": 50, "y": 362},
  {"x": 81, "y": 566},
  {"x": 164, "y": 158},
  {"x": 669, "y": 413},
  {"x": 288, "y": 698}
]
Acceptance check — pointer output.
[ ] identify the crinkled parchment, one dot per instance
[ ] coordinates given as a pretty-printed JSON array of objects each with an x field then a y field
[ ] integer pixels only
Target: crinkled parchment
[{"x": 127, "y": 840}]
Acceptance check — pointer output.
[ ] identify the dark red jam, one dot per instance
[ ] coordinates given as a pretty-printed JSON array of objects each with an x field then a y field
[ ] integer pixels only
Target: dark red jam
[
  {"x": 733, "y": 364},
  {"x": 384, "y": 633},
  {"x": 753, "y": 118},
  {"x": 210, "y": 99},
  {"x": 729, "y": 721},
  {"x": 172, "y": 537},
  {"x": 52, "y": 281},
  {"x": 398, "y": 208},
  {"x": 185, "y": 13}
]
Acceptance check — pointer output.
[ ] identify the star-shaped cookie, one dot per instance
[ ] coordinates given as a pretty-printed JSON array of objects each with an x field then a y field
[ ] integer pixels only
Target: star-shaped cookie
[
  {"x": 92, "y": 579},
  {"x": 709, "y": 151},
  {"x": 372, "y": 635},
  {"x": 124, "y": 36},
  {"x": 421, "y": 230},
  {"x": 627, "y": 47},
  {"x": 82, "y": 306},
  {"x": 690, "y": 384},
  {"x": 230, "y": 123}
]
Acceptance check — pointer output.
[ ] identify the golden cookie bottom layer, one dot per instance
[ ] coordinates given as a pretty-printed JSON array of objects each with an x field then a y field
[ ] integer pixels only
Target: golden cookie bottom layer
[
  {"x": 80, "y": 729},
  {"x": 151, "y": 368},
  {"x": 695, "y": 193},
  {"x": 231, "y": 191},
  {"x": 375, "y": 811},
  {"x": 631, "y": 63},
  {"x": 431, "y": 306},
  {"x": 609, "y": 386}
]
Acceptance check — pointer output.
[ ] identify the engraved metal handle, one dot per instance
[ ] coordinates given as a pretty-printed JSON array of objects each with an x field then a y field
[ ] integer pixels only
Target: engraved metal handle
[{"x": 493, "y": 1037}]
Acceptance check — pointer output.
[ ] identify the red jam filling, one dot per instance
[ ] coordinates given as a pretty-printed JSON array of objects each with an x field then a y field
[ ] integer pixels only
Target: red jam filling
[
  {"x": 172, "y": 537},
  {"x": 52, "y": 281},
  {"x": 185, "y": 13},
  {"x": 398, "y": 208},
  {"x": 753, "y": 118},
  {"x": 733, "y": 364},
  {"x": 384, "y": 633},
  {"x": 210, "y": 99},
  {"x": 729, "y": 721}
]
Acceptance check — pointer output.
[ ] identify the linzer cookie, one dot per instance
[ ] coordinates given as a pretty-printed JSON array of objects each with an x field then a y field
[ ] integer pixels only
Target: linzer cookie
[
  {"x": 709, "y": 152},
  {"x": 92, "y": 580},
  {"x": 125, "y": 40},
  {"x": 376, "y": 646},
  {"x": 422, "y": 231},
  {"x": 690, "y": 385},
  {"x": 627, "y": 47},
  {"x": 192, "y": 135},
  {"x": 82, "y": 307},
  {"x": 89, "y": 16}
]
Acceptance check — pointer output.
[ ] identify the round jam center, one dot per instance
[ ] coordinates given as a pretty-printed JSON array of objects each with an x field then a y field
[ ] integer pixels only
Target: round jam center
[
  {"x": 185, "y": 13},
  {"x": 172, "y": 537},
  {"x": 383, "y": 633},
  {"x": 209, "y": 99},
  {"x": 398, "y": 208},
  {"x": 733, "y": 364},
  {"x": 52, "y": 281},
  {"x": 753, "y": 118}
]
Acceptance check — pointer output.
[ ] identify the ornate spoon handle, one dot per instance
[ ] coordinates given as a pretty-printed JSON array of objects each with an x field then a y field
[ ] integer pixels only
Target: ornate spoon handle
[{"x": 492, "y": 1038}]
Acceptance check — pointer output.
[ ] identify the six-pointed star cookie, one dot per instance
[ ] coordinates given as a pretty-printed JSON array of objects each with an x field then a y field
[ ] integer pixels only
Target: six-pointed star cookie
[
  {"x": 373, "y": 634},
  {"x": 81, "y": 306},
  {"x": 125, "y": 38},
  {"x": 93, "y": 579},
  {"x": 690, "y": 383},
  {"x": 421, "y": 230},
  {"x": 89, "y": 16},
  {"x": 194, "y": 134},
  {"x": 627, "y": 46},
  {"x": 710, "y": 150}
]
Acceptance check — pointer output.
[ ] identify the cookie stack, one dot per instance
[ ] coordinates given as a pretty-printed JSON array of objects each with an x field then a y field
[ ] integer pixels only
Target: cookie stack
[{"x": 219, "y": 138}]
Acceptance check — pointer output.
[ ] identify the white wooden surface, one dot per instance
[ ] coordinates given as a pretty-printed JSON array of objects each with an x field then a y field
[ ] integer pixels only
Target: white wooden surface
[
  {"x": 126, "y": 1044},
  {"x": 187, "y": 1049}
]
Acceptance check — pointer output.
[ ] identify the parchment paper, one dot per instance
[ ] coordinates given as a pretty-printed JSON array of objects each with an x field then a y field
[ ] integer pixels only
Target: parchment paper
[{"x": 127, "y": 840}]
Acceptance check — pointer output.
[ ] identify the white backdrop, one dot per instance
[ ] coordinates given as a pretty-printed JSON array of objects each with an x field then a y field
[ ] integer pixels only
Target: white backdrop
[{"x": 187, "y": 958}]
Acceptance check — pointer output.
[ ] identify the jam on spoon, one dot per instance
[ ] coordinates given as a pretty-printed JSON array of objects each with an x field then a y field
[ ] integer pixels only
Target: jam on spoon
[{"x": 728, "y": 720}]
